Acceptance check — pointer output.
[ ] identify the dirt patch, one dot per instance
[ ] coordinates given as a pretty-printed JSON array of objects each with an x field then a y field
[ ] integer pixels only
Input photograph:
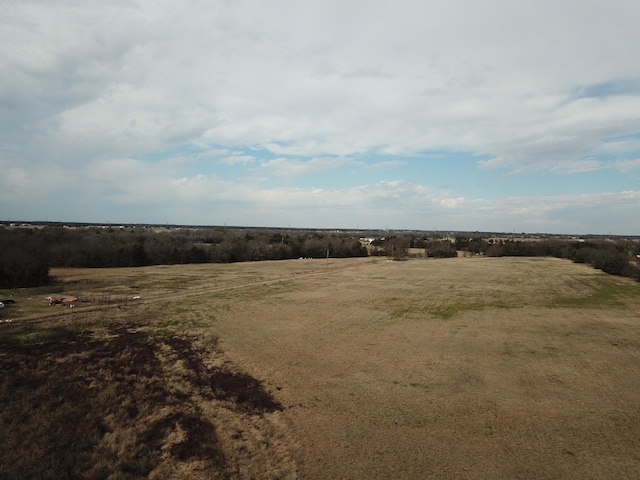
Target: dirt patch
[{"x": 121, "y": 405}]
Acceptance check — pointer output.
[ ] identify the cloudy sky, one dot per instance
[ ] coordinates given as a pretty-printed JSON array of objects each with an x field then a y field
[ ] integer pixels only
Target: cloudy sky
[{"x": 459, "y": 115}]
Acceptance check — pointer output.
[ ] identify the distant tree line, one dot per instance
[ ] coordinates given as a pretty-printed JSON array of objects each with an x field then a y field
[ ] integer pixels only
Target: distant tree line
[
  {"x": 616, "y": 257},
  {"x": 27, "y": 253}
]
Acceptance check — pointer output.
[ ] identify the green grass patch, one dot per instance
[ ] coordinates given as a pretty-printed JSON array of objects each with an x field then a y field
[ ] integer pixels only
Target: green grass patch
[
  {"x": 602, "y": 294},
  {"x": 451, "y": 310},
  {"x": 162, "y": 332},
  {"x": 446, "y": 311}
]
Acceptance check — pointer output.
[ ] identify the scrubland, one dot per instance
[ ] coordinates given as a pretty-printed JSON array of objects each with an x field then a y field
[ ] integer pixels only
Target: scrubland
[{"x": 356, "y": 368}]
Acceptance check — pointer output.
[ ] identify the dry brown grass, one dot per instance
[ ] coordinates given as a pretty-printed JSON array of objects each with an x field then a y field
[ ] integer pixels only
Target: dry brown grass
[{"x": 456, "y": 368}]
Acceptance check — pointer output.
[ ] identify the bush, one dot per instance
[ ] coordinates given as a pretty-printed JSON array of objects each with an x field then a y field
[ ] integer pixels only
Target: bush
[{"x": 440, "y": 249}]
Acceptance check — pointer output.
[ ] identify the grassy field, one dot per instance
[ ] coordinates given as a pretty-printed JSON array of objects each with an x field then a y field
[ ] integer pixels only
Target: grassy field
[{"x": 496, "y": 368}]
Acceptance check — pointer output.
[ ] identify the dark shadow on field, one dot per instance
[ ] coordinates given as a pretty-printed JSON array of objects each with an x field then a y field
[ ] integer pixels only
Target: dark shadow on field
[{"x": 82, "y": 405}]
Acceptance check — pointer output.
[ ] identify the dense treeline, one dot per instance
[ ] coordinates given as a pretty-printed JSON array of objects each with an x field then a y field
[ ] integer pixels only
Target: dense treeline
[
  {"x": 613, "y": 257},
  {"x": 616, "y": 257},
  {"x": 28, "y": 253},
  {"x": 22, "y": 269},
  {"x": 21, "y": 261}
]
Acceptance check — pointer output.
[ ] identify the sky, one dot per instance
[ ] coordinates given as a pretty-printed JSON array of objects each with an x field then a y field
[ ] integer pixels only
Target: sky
[{"x": 469, "y": 115}]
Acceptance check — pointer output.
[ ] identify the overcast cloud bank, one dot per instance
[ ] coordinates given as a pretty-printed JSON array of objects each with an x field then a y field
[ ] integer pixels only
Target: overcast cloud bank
[{"x": 459, "y": 115}]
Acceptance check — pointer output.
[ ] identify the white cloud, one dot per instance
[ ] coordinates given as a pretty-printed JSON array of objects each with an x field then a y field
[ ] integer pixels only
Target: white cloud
[
  {"x": 627, "y": 166},
  {"x": 578, "y": 166},
  {"x": 238, "y": 160},
  {"x": 214, "y": 153},
  {"x": 405, "y": 78},
  {"x": 390, "y": 164},
  {"x": 453, "y": 202},
  {"x": 287, "y": 167}
]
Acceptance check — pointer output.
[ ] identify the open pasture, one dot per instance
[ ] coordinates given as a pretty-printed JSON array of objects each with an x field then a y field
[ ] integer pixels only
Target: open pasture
[{"x": 360, "y": 368}]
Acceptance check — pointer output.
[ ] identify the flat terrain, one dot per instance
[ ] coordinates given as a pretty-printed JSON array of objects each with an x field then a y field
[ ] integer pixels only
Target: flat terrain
[{"x": 496, "y": 368}]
